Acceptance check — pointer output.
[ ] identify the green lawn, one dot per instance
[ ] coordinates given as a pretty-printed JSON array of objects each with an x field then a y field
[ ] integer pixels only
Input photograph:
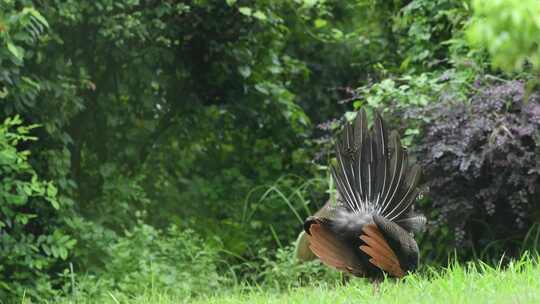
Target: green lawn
[{"x": 518, "y": 283}]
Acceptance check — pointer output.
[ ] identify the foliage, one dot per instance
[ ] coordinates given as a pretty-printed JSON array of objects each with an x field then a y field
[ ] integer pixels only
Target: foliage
[
  {"x": 424, "y": 30},
  {"x": 200, "y": 115},
  {"x": 470, "y": 283},
  {"x": 178, "y": 110},
  {"x": 31, "y": 246},
  {"x": 267, "y": 206},
  {"x": 174, "y": 111},
  {"x": 398, "y": 94},
  {"x": 282, "y": 271},
  {"x": 36, "y": 239},
  {"x": 178, "y": 263},
  {"x": 18, "y": 30},
  {"x": 399, "y": 97},
  {"x": 488, "y": 148},
  {"x": 506, "y": 29}
]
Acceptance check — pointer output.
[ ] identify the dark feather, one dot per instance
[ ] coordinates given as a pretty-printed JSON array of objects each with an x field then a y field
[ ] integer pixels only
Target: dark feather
[
  {"x": 379, "y": 251},
  {"x": 415, "y": 223},
  {"x": 331, "y": 250},
  {"x": 372, "y": 174},
  {"x": 381, "y": 157},
  {"x": 369, "y": 230}
]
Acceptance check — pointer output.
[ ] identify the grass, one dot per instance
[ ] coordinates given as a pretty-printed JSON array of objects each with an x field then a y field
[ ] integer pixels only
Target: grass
[{"x": 519, "y": 282}]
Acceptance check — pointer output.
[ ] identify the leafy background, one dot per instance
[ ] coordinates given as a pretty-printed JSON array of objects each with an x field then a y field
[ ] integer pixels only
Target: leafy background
[{"x": 179, "y": 144}]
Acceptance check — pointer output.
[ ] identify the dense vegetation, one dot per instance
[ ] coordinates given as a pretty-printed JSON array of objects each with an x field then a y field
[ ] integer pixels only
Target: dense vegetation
[
  {"x": 178, "y": 145},
  {"x": 470, "y": 283}
]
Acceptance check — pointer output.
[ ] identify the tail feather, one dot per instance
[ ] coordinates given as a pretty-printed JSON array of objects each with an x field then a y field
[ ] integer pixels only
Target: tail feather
[
  {"x": 361, "y": 138},
  {"x": 380, "y": 138},
  {"x": 372, "y": 173},
  {"x": 408, "y": 194},
  {"x": 396, "y": 171},
  {"x": 413, "y": 222},
  {"x": 344, "y": 176}
]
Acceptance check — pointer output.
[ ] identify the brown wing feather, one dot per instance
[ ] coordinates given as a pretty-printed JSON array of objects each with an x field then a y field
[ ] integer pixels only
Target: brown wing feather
[
  {"x": 372, "y": 230},
  {"x": 380, "y": 252},
  {"x": 382, "y": 262},
  {"x": 331, "y": 251},
  {"x": 375, "y": 246}
]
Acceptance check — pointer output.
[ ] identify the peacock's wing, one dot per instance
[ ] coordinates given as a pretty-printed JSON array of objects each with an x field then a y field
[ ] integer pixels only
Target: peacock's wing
[{"x": 330, "y": 249}]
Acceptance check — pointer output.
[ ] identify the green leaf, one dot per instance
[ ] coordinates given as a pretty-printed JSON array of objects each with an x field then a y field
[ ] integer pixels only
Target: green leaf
[
  {"x": 245, "y": 71},
  {"x": 53, "y": 202},
  {"x": 16, "y": 199},
  {"x": 15, "y": 51},
  {"x": 54, "y": 251},
  {"x": 337, "y": 34},
  {"x": 27, "y": 190},
  {"x": 30, "y": 82},
  {"x": 262, "y": 89},
  {"x": 350, "y": 116},
  {"x": 310, "y": 3},
  {"x": 245, "y": 10},
  {"x": 4, "y": 93},
  {"x": 63, "y": 253},
  {"x": 320, "y": 23},
  {"x": 37, "y": 186},
  {"x": 7, "y": 157},
  {"x": 51, "y": 190},
  {"x": 36, "y": 15},
  {"x": 260, "y": 15},
  {"x": 412, "y": 132},
  {"x": 46, "y": 249}
]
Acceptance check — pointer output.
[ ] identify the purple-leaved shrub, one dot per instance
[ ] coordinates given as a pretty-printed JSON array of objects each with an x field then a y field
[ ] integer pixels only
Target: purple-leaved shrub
[{"x": 481, "y": 163}]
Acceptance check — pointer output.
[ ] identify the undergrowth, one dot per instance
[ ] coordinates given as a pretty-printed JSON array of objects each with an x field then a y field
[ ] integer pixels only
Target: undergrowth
[{"x": 516, "y": 282}]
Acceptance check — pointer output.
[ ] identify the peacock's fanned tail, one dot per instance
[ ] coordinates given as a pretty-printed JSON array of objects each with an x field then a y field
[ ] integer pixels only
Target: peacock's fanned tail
[{"x": 372, "y": 173}]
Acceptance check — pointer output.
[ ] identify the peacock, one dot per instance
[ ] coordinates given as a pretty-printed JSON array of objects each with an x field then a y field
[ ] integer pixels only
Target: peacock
[{"x": 370, "y": 229}]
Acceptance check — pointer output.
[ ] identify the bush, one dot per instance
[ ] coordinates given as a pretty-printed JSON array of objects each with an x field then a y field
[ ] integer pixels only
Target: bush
[
  {"x": 424, "y": 28},
  {"x": 397, "y": 95},
  {"x": 505, "y": 28},
  {"x": 284, "y": 271},
  {"x": 177, "y": 263},
  {"x": 32, "y": 242},
  {"x": 481, "y": 162}
]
